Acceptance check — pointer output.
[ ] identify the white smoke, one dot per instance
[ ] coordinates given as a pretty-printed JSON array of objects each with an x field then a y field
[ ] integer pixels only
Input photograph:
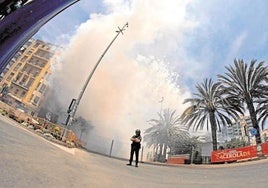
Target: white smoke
[{"x": 125, "y": 91}]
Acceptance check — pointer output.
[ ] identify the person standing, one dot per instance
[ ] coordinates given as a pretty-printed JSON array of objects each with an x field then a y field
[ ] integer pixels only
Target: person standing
[{"x": 135, "y": 147}]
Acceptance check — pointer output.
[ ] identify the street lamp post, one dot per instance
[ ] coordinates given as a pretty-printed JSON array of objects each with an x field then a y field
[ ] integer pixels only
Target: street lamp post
[
  {"x": 75, "y": 102},
  {"x": 161, "y": 101}
]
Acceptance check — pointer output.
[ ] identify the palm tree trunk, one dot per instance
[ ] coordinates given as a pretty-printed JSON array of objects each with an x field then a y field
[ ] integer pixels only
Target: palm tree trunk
[
  {"x": 253, "y": 118},
  {"x": 213, "y": 125},
  {"x": 165, "y": 151},
  {"x": 155, "y": 152},
  {"x": 160, "y": 152}
]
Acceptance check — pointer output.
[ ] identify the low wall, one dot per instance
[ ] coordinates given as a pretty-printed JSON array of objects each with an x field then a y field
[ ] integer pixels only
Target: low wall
[{"x": 177, "y": 159}]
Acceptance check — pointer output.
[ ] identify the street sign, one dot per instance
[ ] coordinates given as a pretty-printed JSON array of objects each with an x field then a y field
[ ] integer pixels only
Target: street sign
[{"x": 253, "y": 131}]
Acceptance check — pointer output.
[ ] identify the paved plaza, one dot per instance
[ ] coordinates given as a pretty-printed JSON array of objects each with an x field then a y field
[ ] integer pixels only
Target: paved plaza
[{"x": 28, "y": 160}]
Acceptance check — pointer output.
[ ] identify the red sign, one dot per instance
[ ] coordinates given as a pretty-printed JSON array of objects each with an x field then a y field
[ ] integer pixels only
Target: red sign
[
  {"x": 233, "y": 154},
  {"x": 265, "y": 148}
]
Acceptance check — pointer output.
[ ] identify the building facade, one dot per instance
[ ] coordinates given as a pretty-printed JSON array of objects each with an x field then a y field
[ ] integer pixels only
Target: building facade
[
  {"x": 240, "y": 129},
  {"x": 25, "y": 79}
]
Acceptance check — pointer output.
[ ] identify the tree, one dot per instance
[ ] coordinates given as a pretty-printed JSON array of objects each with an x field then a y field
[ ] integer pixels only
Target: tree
[
  {"x": 184, "y": 145},
  {"x": 210, "y": 108},
  {"x": 235, "y": 143},
  {"x": 246, "y": 84},
  {"x": 179, "y": 141},
  {"x": 262, "y": 110},
  {"x": 163, "y": 132},
  {"x": 80, "y": 126}
]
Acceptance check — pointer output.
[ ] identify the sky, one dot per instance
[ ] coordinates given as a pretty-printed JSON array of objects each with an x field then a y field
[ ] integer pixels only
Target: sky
[
  {"x": 169, "y": 46},
  {"x": 205, "y": 36}
]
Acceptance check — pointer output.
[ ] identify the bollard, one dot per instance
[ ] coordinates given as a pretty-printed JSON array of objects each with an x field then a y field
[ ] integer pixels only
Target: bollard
[{"x": 111, "y": 148}]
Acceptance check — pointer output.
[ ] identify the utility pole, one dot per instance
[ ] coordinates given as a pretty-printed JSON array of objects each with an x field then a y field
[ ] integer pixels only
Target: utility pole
[{"x": 75, "y": 102}]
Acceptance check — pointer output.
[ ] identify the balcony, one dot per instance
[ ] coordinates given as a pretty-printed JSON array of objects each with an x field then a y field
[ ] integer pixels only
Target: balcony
[{"x": 21, "y": 85}]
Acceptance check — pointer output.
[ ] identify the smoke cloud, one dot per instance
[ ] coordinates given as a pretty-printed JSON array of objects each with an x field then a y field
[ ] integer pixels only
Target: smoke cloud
[{"x": 134, "y": 75}]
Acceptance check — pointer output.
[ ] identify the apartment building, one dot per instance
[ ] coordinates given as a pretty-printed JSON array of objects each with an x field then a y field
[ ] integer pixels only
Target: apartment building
[
  {"x": 240, "y": 129},
  {"x": 25, "y": 79}
]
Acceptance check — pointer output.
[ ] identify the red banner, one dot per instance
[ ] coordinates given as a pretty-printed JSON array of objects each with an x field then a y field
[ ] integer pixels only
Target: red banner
[
  {"x": 233, "y": 154},
  {"x": 265, "y": 148}
]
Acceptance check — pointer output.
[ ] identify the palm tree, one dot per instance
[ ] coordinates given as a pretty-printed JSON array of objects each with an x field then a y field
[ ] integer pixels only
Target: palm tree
[
  {"x": 184, "y": 145},
  {"x": 262, "y": 110},
  {"x": 163, "y": 131},
  {"x": 209, "y": 107},
  {"x": 247, "y": 84}
]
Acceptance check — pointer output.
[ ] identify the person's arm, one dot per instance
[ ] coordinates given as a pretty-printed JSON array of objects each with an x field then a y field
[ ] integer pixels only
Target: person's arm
[{"x": 136, "y": 139}]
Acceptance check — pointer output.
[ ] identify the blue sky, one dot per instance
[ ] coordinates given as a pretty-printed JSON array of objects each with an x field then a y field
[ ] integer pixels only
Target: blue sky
[
  {"x": 170, "y": 46},
  {"x": 229, "y": 29}
]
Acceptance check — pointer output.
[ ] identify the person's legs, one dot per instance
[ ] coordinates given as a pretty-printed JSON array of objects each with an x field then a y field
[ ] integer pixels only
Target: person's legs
[
  {"x": 137, "y": 156},
  {"x": 131, "y": 156}
]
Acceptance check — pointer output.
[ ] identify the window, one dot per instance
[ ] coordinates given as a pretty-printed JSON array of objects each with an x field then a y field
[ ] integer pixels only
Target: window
[
  {"x": 23, "y": 93},
  {"x": 42, "y": 89},
  {"x": 36, "y": 100},
  {"x": 30, "y": 82},
  {"x": 44, "y": 54},
  {"x": 16, "y": 91},
  {"x": 25, "y": 78},
  {"x": 24, "y": 68},
  {"x": 18, "y": 77},
  {"x": 42, "y": 64},
  {"x": 29, "y": 70},
  {"x": 24, "y": 58},
  {"x": 17, "y": 67},
  {"x": 36, "y": 73},
  {"x": 10, "y": 76}
]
